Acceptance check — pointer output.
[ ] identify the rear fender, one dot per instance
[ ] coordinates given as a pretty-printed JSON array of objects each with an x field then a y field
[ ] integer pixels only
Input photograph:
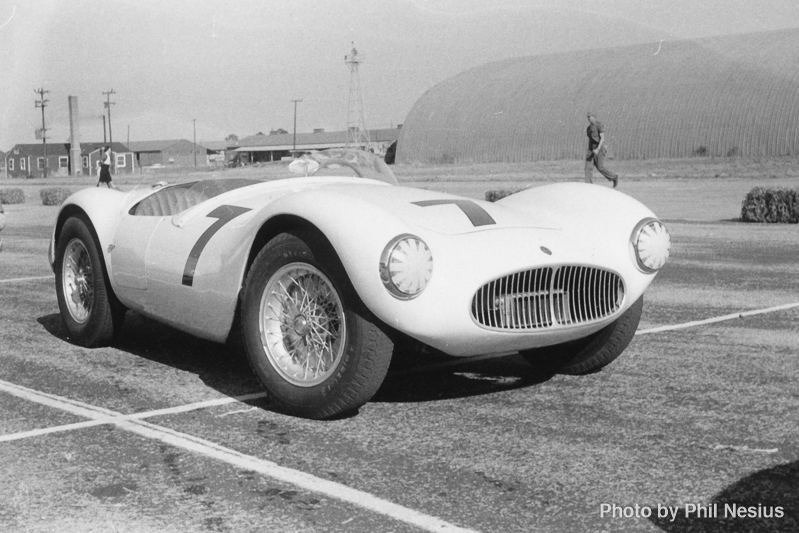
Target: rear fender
[{"x": 103, "y": 208}]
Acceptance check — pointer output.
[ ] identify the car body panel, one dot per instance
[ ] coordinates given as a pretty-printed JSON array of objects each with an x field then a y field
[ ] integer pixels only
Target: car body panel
[{"x": 187, "y": 268}]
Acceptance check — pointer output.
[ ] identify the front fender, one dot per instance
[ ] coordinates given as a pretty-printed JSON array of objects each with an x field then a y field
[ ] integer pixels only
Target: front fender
[{"x": 358, "y": 229}]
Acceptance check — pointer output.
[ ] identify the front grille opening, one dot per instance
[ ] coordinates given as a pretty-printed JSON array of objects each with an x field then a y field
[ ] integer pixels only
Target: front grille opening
[{"x": 542, "y": 297}]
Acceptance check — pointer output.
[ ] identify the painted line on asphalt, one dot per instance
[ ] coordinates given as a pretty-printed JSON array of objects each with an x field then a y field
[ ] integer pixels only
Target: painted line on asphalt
[
  {"x": 713, "y": 320},
  {"x": 16, "y": 280},
  {"x": 476, "y": 359},
  {"x": 246, "y": 462},
  {"x": 135, "y": 416}
]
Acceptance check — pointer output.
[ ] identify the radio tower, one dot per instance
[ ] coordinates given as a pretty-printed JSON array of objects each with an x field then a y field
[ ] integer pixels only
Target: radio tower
[{"x": 357, "y": 134}]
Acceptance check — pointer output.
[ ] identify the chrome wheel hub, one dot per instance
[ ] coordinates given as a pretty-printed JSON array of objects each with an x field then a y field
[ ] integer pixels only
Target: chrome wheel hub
[
  {"x": 77, "y": 280},
  {"x": 302, "y": 324}
]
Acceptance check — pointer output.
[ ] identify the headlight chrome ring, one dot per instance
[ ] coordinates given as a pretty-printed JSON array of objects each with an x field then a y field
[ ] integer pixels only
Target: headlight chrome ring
[
  {"x": 650, "y": 245},
  {"x": 406, "y": 266}
]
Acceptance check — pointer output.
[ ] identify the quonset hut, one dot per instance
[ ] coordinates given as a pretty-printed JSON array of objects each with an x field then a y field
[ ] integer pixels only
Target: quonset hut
[{"x": 723, "y": 96}]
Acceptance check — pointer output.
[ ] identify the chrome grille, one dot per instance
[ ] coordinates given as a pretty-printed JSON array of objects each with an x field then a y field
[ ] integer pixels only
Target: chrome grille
[{"x": 542, "y": 297}]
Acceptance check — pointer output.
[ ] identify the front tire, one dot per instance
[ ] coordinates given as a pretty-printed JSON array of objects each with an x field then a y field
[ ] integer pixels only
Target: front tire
[
  {"x": 90, "y": 311},
  {"x": 589, "y": 354},
  {"x": 310, "y": 340}
]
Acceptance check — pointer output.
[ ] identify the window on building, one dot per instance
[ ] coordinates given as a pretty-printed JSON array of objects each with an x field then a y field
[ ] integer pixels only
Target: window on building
[
  {"x": 40, "y": 163},
  {"x": 63, "y": 161},
  {"x": 22, "y": 163},
  {"x": 120, "y": 160},
  {"x": 10, "y": 163},
  {"x": 85, "y": 161}
]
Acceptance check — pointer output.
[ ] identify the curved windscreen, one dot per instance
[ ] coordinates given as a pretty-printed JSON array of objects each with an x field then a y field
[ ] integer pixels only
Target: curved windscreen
[{"x": 351, "y": 162}]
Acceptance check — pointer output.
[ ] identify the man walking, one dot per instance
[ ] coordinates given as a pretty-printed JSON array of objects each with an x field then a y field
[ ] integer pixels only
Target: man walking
[{"x": 595, "y": 156}]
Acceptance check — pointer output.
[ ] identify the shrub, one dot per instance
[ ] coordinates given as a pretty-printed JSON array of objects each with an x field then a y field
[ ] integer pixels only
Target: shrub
[
  {"x": 12, "y": 196},
  {"x": 54, "y": 195},
  {"x": 497, "y": 194},
  {"x": 771, "y": 205}
]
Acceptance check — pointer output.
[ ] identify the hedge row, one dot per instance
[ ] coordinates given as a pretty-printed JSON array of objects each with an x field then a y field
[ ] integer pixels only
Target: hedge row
[
  {"x": 12, "y": 196},
  {"x": 771, "y": 205},
  {"x": 497, "y": 194},
  {"x": 54, "y": 195}
]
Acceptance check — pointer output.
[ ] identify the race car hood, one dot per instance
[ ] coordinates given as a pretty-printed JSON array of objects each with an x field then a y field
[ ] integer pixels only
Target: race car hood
[{"x": 449, "y": 214}]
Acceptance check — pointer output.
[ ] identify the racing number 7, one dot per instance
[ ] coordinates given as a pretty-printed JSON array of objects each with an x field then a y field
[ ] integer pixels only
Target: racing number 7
[
  {"x": 476, "y": 214},
  {"x": 223, "y": 214}
]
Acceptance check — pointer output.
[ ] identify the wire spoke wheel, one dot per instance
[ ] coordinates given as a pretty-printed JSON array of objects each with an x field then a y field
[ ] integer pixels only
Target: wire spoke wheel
[
  {"x": 302, "y": 324},
  {"x": 78, "y": 281},
  {"x": 91, "y": 312}
]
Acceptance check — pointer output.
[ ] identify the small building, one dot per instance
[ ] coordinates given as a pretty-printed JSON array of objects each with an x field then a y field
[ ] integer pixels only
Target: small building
[
  {"x": 123, "y": 160},
  {"x": 277, "y": 145},
  {"x": 169, "y": 153},
  {"x": 30, "y": 160}
]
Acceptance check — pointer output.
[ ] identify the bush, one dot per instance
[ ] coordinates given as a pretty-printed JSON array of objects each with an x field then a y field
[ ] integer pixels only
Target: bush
[
  {"x": 12, "y": 196},
  {"x": 497, "y": 194},
  {"x": 771, "y": 205},
  {"x": 54, "y": 195}
]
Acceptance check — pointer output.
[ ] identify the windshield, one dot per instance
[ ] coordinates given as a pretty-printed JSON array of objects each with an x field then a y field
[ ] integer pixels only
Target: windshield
[{"x": 347, "y": 162}]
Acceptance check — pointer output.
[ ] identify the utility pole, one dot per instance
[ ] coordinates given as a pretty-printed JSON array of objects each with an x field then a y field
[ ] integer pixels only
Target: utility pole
[
  {"x": 43, "y": 103},
  {"x": 194, "y": 120},
  {"x": 294, "y": 152},
  {"x": 108, "y": 103},
  {"x": 104, "y": 137}
]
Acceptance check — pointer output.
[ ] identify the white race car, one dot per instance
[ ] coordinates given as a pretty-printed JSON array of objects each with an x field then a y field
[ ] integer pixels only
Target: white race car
[{"x": 319, "y": 274}]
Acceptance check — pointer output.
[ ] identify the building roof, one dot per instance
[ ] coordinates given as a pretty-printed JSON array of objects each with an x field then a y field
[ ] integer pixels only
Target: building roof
[
  {"x": 217, "y": 145},
  {"x": 153, "y": 146},
  {"x": 62, "y": 149},
  {"x": 305, "y": 141},
  {"x": 160, "y": 146}
]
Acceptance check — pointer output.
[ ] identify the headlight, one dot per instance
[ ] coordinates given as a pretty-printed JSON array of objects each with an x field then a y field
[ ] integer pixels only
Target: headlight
[
  {"x": 650, "y": 244},
  {"x": 406, "y": 266}
]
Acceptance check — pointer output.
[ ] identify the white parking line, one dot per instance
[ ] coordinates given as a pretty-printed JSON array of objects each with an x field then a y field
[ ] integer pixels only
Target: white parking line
[
  {"x": 717, "y": 319},
  {"x": 136, "y": 416},
  {"x": 16, "y": 280},
  {"x": 240, "y": 460},
  {"x": 466, "y": 360}
]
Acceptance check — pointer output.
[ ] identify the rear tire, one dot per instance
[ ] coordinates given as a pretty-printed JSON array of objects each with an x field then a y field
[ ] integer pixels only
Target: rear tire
[
  {"x": 310, "y": 340},
  {"x": 90, "y": 310},
  {"x": 592, "y": 353}
]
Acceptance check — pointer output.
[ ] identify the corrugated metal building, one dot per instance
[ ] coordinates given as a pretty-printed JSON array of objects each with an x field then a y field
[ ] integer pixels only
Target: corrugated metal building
[{"x": 724, "y": 96}]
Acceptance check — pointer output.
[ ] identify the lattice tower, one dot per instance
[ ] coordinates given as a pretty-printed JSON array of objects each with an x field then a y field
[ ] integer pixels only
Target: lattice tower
[{"x": 357, "y": 134}]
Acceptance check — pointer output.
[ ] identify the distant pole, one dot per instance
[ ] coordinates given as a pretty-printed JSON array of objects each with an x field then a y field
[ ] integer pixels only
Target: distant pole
[
  {"x": 104, "y": 139},
  {"x": 194, "y": 120},
  {"x": 128, "y": 142},
  {"x": 294, "y": 151},
  {"x": 108, "y": 103},
  {"x": 43, "y": 103}
]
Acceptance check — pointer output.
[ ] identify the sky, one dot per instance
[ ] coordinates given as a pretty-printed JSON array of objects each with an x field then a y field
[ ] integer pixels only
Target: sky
[{"x": 221, "y": 67}]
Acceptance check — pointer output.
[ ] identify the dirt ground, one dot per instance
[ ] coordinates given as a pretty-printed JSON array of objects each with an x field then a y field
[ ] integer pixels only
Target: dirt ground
[{"x": 702, "y": 413}]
